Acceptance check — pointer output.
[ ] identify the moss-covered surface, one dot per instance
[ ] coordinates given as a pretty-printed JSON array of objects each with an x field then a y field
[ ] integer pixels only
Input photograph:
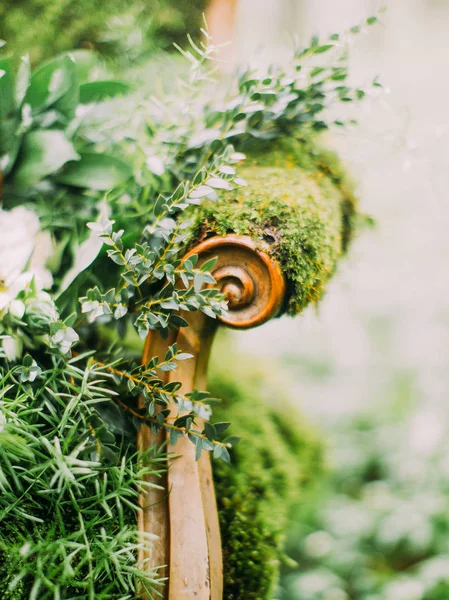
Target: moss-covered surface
[
  {"x": 277, "y": 458},
  {"x": 300, "y": 201}
]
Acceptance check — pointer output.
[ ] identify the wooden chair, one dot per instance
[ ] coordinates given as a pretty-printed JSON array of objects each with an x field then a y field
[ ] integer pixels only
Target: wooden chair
[{"x": 182, "y": 511}]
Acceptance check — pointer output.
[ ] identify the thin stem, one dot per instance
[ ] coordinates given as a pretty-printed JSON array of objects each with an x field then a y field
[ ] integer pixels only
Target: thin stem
[{"x": 147, "y": 386}]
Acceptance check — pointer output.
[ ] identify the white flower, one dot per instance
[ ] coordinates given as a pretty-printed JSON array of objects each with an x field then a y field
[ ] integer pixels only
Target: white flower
[
  {"x": 11, "y": 286},
  {"x": 94, "y": 308},
  {"x": 12, "y": 347},
  {"x": 24, "y": 250},
  {"x": 17, "y": 308},
  {"x": 64, "y": 339}
]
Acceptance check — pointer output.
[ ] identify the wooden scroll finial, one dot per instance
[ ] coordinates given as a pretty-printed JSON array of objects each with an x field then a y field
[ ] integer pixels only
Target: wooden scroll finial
[{"x": 182, "y": 511}]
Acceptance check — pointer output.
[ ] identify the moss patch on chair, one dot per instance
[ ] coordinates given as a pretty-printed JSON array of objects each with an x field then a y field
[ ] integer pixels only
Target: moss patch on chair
[{"x": 300, "y": 202}]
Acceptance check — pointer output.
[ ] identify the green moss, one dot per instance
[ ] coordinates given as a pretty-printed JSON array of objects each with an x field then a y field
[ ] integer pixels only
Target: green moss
[
  {"x": 8, "y": 571},
  {"x": 300, "y": 202},
  {"x": 271, "y": 467}
]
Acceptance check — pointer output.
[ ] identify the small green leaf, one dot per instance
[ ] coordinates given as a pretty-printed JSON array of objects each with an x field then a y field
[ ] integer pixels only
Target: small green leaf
[
  {"x": 178, "y": 321},
  {"x": 218, "y": 183},
  {"x": 225, "y": 455},
  {"x": 199, "y": 177},
  {"x": 208, "y": 265},
  {"x": 200, "y": 192},
  {"x": 322, "y": 49},
  {"x": 172, "y": 386},
  {"x": 227, "y": 170},
  {"x": 98, "y": 91},
  {"x": 210, "y": 431},
  {"x": 209, "y": 312},
  {"x": 317, "y": 71},
  {"x": 169, "y": 366},
  {"x": 232, "y": 440},
  {"x": 221, "y": 427},
  {"x": 97, "y": 172},
  {"x": 198, "y": 282},
  {"x": 184, "y": 356},
  {"x": 174, "y": 434}
]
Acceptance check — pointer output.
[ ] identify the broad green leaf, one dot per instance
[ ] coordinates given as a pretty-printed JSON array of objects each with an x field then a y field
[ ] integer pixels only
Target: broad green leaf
[
  {"x": 43, "y": 153},
  {"x": 97, "y": 91},
  {"x": 6, "y": 87},
  {"x": 96, "y": 171},
  {"x": 54, "y": 84}
]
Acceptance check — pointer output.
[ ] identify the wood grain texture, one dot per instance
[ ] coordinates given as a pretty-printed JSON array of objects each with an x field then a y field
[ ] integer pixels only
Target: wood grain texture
[
  {"x": 153, "y": 516},
  {"x": 186, "y": 518}
]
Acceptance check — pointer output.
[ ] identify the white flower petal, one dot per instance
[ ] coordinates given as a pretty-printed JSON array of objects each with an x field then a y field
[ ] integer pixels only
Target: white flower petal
[
  {"x": 12, "y": 347},
  {"x": 17, "y": 308}
]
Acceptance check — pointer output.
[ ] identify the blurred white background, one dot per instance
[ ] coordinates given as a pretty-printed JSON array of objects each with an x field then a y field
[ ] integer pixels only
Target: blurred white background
[{"x": 382, "y": 330}]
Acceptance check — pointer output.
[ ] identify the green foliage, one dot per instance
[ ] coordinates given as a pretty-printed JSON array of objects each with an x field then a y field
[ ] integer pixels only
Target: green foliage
[
  {"x": 271, "y": 468},
  {"x": 117, "y": 26},
  {"x": 299, "y": 203},
  {"x": 65, "y": 494},
  {"x": 113, "y": 200},
  {"x": 39, "y": 131}
]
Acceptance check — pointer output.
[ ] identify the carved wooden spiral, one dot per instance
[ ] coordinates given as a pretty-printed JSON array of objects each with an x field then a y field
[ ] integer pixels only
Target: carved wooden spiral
[{"x": 251, "y": 280}]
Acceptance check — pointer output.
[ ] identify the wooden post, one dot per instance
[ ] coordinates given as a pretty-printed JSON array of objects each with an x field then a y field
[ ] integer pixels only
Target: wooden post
[
  {"x": 184, "y": 514},
  {"x": 221, "y": 21}
]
